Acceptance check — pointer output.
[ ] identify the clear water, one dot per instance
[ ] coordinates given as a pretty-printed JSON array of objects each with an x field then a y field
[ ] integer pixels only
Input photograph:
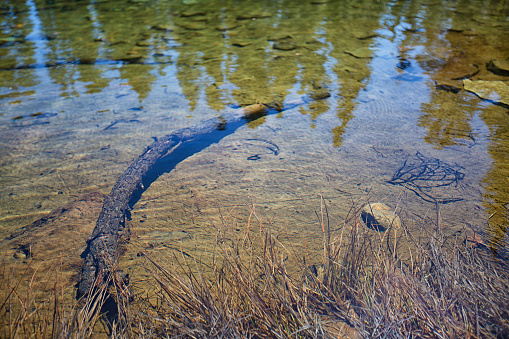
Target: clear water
[{"x": 86, "y": 86}]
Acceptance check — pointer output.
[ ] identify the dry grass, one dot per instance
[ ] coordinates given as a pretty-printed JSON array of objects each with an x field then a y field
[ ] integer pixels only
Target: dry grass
[
  {"x": 445, "y": 289},
  {"x": 258, "y": 288},
  {"x": 31, "y": 308}
]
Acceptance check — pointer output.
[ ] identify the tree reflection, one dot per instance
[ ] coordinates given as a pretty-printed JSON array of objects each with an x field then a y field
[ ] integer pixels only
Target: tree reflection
[
  {"x": 449, "y": 50},
  {"x": 447, "y": 120},
  {"x": 231, "y": 53},
  {"x": 15, "y": 49},
  {"x": 226, "y": 53}
]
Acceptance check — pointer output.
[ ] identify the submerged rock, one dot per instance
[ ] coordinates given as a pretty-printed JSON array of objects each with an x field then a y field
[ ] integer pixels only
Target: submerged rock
[
  {"x": 161, "y": 27},
  {"x": 192, "y": 25},
  {"x": 226, "y": 26},
  {"x": 447, "y": 85},
  {"x": 498, "y": 67},
  {"x": 380, "y": 217},
  {"x": 239, "y": 43},
  {"x": 281, "y": 36},
  {"x": 361, "y": 53},
  {"x": 320, "y": 94},
  {"x": 285, "y": 45},
  {"x": 254, "y": 15},
  {"x": 468, "y": 71},
  {"x": 497, "y": 91},
  {"x": 190, "y": 13},
  {"x": 143, "y": 43},
  {"x": 364, "y": 34}
]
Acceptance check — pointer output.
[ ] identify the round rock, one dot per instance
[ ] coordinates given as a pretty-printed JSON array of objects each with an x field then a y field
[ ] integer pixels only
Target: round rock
[{"x": 380, "y": 217}]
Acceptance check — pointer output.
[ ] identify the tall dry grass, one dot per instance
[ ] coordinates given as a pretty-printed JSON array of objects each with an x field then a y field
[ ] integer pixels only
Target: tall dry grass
[
  {"x": 34, "y": 304},
  {"x": 258, "y": 287},
  {"x": 444, "y": 288}
]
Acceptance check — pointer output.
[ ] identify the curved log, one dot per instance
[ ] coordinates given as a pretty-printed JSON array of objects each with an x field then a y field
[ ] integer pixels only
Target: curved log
[{"x": 101, "y": 255}]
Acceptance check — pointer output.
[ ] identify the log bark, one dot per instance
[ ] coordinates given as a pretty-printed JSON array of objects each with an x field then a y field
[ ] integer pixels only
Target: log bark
[{"x": 101, "y": 255}]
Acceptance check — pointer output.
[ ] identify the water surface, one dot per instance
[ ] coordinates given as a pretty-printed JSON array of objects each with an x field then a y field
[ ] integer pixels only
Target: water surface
[{"x": 86, "y": 86}]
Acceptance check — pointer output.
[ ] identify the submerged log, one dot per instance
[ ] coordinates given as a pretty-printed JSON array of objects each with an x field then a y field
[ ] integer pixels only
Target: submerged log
[{"x": 101, "y": 255}]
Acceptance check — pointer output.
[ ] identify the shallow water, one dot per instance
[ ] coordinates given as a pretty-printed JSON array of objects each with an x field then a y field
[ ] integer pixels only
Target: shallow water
[{"x": 86, "y": 86}]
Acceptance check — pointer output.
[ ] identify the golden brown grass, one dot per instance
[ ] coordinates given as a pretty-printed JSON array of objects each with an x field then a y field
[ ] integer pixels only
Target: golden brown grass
[
  {"x": 256, "y": 287},
  {"x": 33, "y": 305},
  {"x": 444, "y": 288}
]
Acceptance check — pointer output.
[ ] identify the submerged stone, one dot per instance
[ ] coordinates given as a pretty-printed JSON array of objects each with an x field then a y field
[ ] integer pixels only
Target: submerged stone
[
  {"x": 285, "y": 45},
  {"x": 192, "y": 25},
  {"x": 143, "y": 43},
  {"x": 498, "y": 67},
  {"x": 161, "y": 27},
  {"x": 361, "y": 53},
  {"x": 254, "y": 15},
  {"x": 468, "y": 71},
  {"x": 364, "y": 34},
  {"x": 226, "y": 26},
  {"x": 380, "y": 217},
  {"x": 281, "y": 36},
  {"x": 242, "y": 43},
  {"x": 497, "y": 91},
  {"x": 447, "y": 85},
  {"x": 188, "y": 14},
  {"x": 320, "y": 94},
  {"x": 367, "y": 36}
]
